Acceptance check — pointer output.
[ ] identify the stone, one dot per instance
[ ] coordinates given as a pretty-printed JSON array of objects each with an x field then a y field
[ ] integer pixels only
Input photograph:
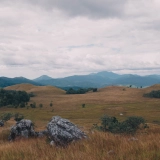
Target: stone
[
  {"x": 52, "y": 143},
  {"x": 62, "y": 131},
  {"x": 111, "y": 152},
  {"x": 23, "y": 128},
  {"x": 132, "y": 139},
  {"x": 1, "y": 123},
  {"x": 41, "y": 133}
]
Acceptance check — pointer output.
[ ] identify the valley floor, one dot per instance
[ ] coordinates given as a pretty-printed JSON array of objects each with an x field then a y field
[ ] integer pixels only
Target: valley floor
[{"x": 113, "y": 101}]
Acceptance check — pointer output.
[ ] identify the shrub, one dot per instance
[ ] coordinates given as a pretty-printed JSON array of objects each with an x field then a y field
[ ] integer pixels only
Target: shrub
[
  {"x": 94, "y": 89},
  {"x": 153, "y": 94},
  {"x": 51, "y": 104},
  {"x": 83, "y": 105},
  {"x": 18, "y": 117},
  {"x": 111, "y": 124},
  {"x": 40, "y": 105},
  {"x": 33, "y": 105},
  {"x": 22, "y": 105},
  {"x": 6, "y": 116},
  {"x": 80, "y": 90},
  {"x": 31, "y": 94}
]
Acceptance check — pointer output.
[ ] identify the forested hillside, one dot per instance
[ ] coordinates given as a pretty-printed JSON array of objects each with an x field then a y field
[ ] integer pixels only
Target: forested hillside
[
  {"x": 14, "y": 98},
  {"x": 4, "y": 81}
]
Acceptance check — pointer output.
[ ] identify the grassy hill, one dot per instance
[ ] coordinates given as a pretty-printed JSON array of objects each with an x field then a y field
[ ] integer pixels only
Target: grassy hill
[
  {"x": 36, "y": 89},
  {"x": 120, "y": 102}
]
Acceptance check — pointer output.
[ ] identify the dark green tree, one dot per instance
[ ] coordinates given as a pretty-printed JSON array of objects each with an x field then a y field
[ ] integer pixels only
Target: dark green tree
[
  {"x": 83, "y": 105},
  {"x": 40, "y": 105},
  {"x": 51, "y": 104}
]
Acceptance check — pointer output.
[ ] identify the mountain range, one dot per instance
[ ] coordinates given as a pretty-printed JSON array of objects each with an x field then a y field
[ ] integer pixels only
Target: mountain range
[
  {"x": 5, "y": 81},
  {"x": 99, "y": 80}
]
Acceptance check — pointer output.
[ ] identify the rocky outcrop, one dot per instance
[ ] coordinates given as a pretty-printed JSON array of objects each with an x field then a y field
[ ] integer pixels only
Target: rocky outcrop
[
  {"x": 1, "y": 123},
  {"x": 62, "y": 131},
  {"x": 23, "y": 128}
]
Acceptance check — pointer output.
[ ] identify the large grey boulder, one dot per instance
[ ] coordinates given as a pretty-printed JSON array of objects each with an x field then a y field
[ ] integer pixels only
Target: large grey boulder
[
  {"x": 23, "y": 128},
  {"x": 62, "y": 131},
  {"x": 1, "y": 123}
]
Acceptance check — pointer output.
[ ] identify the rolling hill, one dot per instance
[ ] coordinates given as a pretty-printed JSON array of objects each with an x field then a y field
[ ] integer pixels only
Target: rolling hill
[
  {"x": 46, "y": 90},
  {"x": 4, "y": 81}
]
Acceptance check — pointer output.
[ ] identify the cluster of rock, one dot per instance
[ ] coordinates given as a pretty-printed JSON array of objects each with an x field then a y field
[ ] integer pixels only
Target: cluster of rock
[
  {"x": 1, "y": 123},
  {"x": 60, "y": 131},
  {"x": 23, "y": 128}
]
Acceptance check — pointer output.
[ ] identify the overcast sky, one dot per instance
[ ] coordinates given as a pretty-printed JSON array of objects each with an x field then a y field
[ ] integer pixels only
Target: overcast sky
[{"x": 59, "y": 38}]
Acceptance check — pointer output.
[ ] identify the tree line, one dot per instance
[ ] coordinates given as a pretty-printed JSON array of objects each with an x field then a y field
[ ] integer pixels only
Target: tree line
[
  {"x": 153, "y": 94},
  {"x": 80, "y": 90},
  {"x": 13, "y": 98}
]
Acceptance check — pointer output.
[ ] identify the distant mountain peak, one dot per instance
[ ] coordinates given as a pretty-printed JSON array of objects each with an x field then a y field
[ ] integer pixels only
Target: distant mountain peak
[
  {"x": 93, "y": 80},
  {"x": 107, "y": 74},
  {"x": 43, "y": 77}
]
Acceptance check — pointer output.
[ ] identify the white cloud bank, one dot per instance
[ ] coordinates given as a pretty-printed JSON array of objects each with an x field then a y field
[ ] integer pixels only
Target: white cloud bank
[{"x": 65, "y": 37}]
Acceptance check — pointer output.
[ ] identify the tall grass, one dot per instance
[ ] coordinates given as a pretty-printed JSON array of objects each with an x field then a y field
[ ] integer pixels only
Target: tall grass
[{"x": 98, "y": 146}]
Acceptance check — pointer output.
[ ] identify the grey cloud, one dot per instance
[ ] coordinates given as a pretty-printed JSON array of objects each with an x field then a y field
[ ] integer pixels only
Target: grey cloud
[
  {"x": 138, "y": 69},
  {"x": 8, "y": 23},
  {"x": 153, "y": 25},
  {"x": 13, "y": 61},
  {"x": 41, "y": 40},
  {"x": 90, "y": 8},
  {"x": 80, "y": 46},
  {"x": 94, "y": 9}
]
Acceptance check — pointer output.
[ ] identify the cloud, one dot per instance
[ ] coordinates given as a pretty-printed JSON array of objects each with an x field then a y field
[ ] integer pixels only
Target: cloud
[
  {"x": 62, "y": 38},
  {"x": 90, "y": 8}
]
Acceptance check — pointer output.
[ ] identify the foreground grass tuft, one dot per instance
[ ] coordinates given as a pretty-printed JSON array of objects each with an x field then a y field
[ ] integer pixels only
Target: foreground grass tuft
[{"x": 99, "y": 146}]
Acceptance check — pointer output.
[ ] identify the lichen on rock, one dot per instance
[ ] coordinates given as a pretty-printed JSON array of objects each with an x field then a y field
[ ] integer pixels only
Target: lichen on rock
[
  {"x": 23, "y": 128},
  {"x": 62, "y": 131}
]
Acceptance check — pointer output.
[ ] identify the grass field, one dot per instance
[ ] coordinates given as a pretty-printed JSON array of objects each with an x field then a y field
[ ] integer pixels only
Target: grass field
[{"x": 120, "y": 102}]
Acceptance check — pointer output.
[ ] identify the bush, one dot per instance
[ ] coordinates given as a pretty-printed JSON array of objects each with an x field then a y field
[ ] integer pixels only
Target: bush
[
  {"x": 111, "y": 124},
  {"x": 107, "y": 122},
  {"x": 51, "y": 104},
  {"x": 94, "y": 89},
  {"x": 31, "y": 94},
  {"x": 153, "y": 94},
  {"x": 33, "y": 105},
  {"x": 80, "y": 90},
  {"x": 18, "y": 117},
  {"x": 6, "y": 116},
  {"x": 22, "y": 105},
  {"x": 40, "y": 105}
]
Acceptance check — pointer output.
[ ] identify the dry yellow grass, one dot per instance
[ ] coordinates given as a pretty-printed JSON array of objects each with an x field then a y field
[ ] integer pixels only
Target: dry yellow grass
[
  {"x": 36, "y": 89},
  {"x": 98, "y": 146},
  {"x": 111, "y": 101}
]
